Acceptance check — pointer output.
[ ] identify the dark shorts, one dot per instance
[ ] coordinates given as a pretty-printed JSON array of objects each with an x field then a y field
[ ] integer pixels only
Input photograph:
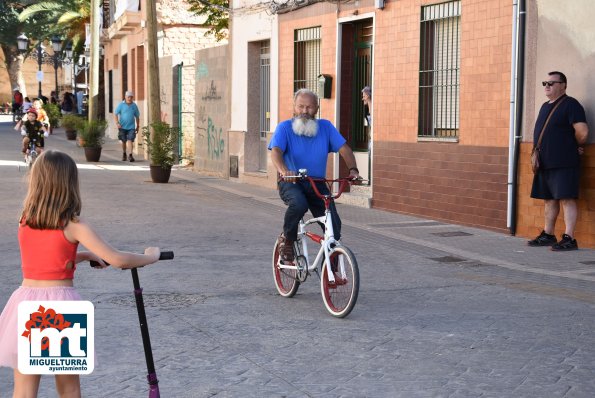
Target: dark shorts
[
  {"x": 562, "y": 183},
  {"x": 126, "y": 135}
]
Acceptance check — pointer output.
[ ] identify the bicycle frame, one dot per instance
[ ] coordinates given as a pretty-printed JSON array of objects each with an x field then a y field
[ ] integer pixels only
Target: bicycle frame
[{"x": 327, "y": 241}]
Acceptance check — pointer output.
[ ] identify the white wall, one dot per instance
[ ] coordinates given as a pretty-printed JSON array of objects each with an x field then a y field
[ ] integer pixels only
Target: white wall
[
  {"x": 247, "y": 26},
  {"x": 566, "y": 43}
]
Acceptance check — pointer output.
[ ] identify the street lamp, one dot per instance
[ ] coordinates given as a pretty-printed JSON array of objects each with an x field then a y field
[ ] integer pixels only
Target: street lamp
[
  {"x": 43, "y": 57},
  {"x": 57, "y": 47},
  {"x": 22, "y": 42},
  {"x": 68, "y": 50}
]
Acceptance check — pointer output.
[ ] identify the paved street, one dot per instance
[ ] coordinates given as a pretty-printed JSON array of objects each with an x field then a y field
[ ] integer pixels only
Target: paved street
[{"x": 444, "y": 310}]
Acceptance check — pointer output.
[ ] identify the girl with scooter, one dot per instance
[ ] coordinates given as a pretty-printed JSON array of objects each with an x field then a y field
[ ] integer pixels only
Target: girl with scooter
[{"x": 50, "y": 230}]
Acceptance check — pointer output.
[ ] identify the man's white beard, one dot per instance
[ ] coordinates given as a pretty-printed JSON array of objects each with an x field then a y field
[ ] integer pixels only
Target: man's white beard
[{"x": 304, "y": 126}]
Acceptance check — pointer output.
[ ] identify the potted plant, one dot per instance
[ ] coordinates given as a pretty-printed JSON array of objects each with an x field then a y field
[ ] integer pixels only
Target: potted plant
[
  {"x": 161, "y": 140},
  {"x": 54, "y": 114},
  {"x": 71, "y": 123},
  {"x": 91, "y": 137}
]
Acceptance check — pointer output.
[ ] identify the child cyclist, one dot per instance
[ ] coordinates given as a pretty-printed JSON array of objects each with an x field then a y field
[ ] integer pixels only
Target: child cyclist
[
  {"x": 33, "y": 129},
  {"x": 42, "y": 115},
  {"x": 49, "y": 233}
]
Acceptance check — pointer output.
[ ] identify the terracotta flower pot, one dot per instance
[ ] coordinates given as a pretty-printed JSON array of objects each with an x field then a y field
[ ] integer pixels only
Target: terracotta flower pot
[
  {"x": 70, "y": 134},
  {"x": 92, "y": 154},
  {"x": 160, "y": 174}
]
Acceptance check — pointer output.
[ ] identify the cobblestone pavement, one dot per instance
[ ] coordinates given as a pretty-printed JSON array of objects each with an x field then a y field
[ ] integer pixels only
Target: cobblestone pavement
[{"x": 444, "y": 310}]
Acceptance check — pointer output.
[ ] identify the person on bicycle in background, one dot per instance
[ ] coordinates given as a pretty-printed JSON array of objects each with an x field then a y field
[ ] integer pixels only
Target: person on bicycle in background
[
  {"x": 17, "y": 100},
  {"x": 304, "y": 142},
  {"x": 33, "y": 129}
]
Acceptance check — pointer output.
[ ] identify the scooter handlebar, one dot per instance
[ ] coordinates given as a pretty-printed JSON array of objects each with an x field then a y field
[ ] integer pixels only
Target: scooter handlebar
[
  {"x": 169, "y": 255},
  {"x": 166, "y": 255}
]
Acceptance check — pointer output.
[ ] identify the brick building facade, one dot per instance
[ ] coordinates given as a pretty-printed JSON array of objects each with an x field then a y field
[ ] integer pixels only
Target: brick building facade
[{"x": 442, "y": 79}]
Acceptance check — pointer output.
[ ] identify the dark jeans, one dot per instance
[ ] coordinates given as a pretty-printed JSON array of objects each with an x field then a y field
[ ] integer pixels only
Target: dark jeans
[{"x": 300, "y": 197}]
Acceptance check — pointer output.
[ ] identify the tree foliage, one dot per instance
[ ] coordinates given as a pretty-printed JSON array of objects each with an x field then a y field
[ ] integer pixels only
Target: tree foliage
[
  {"x": 69, "y": 16},
  {"x": 38, "y": 27},
  {"x": 217, "y": 13}
]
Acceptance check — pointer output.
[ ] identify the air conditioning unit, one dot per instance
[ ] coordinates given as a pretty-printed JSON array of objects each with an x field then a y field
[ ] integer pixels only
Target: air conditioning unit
[{"x": 379, "y": 4}]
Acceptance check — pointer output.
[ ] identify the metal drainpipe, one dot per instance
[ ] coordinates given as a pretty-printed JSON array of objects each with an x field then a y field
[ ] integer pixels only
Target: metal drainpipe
[
  {"x": 511, "y": 127},
  {"x": 519, "y": 112},
  {"x": 180, "y": 69}
]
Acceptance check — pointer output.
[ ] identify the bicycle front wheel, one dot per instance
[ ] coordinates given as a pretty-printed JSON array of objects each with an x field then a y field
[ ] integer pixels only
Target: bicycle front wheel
[
  {"x": 340, "y": 296},
  {"x": 285, "y": 278}
]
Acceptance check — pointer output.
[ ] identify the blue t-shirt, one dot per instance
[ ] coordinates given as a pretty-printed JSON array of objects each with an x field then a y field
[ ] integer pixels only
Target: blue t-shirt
[
  {"x": 128, "y": 114},
  {"x": 300, "y": 152}
]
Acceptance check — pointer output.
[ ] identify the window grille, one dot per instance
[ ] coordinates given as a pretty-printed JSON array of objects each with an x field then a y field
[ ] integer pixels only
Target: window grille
[
  {"x": 306, "y": 59},
  {"x": 139, "y": 93},
  {"x": 124, "y": 74},
  {"x": 110, "y": 91},
  {"x": 439, "y": 70},
  {"x": 265, "y": 102}
]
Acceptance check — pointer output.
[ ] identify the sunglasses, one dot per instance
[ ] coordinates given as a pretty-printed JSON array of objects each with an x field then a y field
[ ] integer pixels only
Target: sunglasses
[{"x": 550, "y": 84}]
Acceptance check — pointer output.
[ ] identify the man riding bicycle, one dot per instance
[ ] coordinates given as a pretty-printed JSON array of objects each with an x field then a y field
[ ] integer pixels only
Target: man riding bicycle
[{"x": 304, "y": 142}]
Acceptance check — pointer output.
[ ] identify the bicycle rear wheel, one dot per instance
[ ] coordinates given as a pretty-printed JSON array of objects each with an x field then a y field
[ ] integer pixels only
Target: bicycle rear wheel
[
  {"x": 285, "y": 279},
  {"x": 340, "y": 296}
]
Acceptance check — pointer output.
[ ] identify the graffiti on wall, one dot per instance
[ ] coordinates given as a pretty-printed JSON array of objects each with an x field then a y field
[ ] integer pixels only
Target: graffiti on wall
[
  {"x": 202, "y": 71},
  {"x": 211, "y": 92},
  {"x": 215, "y": 142}
]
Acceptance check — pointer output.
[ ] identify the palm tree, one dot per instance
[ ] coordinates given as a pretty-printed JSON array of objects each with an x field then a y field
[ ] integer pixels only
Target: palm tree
[
  {"x": 10, "y": 27},
  {"x": 69, "y": 16}
]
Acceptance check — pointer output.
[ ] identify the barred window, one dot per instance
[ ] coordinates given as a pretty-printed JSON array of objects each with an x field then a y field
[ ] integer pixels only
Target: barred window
[
  {"x": 306, "y": 59},
  {"x": 439, "y": 70}
]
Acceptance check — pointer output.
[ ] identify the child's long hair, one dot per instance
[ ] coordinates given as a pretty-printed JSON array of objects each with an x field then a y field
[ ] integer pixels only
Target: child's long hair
[{"x": 53, "y": 198}]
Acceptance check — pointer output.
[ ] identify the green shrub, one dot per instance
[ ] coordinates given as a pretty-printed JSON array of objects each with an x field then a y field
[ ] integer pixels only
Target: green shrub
[
  {"x": 54, "y": 114},
  {"x": 92, "y": 133},
  {"x": 161, "y": 144},
  {"x": 72, "y": 122}
]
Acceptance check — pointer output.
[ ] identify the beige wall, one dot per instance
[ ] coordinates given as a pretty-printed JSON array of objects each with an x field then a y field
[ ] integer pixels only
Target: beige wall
[
  {"x": 564, "y": 40},
  {"x": 212, "y": 111}
]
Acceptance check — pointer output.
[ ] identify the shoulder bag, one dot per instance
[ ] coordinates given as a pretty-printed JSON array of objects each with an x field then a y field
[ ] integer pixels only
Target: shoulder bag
[{"x": 535, "y": 152}]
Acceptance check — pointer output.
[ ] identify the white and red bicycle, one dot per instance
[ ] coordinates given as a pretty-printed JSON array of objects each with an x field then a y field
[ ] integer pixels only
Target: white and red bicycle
[{"x": 334, "y": 263}]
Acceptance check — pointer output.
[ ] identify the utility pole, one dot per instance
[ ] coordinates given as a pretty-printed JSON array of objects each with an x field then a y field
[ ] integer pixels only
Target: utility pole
[
  {"x": 153, "y": 57},
  {"x": 94, "y": 64}
]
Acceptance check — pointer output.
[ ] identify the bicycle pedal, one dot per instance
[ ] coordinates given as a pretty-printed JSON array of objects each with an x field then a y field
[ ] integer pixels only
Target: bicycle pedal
[{"x": 338, "y": 282}]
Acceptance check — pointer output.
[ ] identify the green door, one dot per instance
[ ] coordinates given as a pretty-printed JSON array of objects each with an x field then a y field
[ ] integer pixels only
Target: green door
[{"x": 362, "y": 75}]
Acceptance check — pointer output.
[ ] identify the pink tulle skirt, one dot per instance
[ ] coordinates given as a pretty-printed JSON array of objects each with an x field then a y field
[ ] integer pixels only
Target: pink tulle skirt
[{"x": 9, "y": 317}]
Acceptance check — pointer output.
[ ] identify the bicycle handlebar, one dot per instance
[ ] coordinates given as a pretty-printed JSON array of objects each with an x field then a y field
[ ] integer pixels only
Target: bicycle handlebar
[
  {"x": 343, "y": 182},
  {"x": 167, "y": 255}
]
